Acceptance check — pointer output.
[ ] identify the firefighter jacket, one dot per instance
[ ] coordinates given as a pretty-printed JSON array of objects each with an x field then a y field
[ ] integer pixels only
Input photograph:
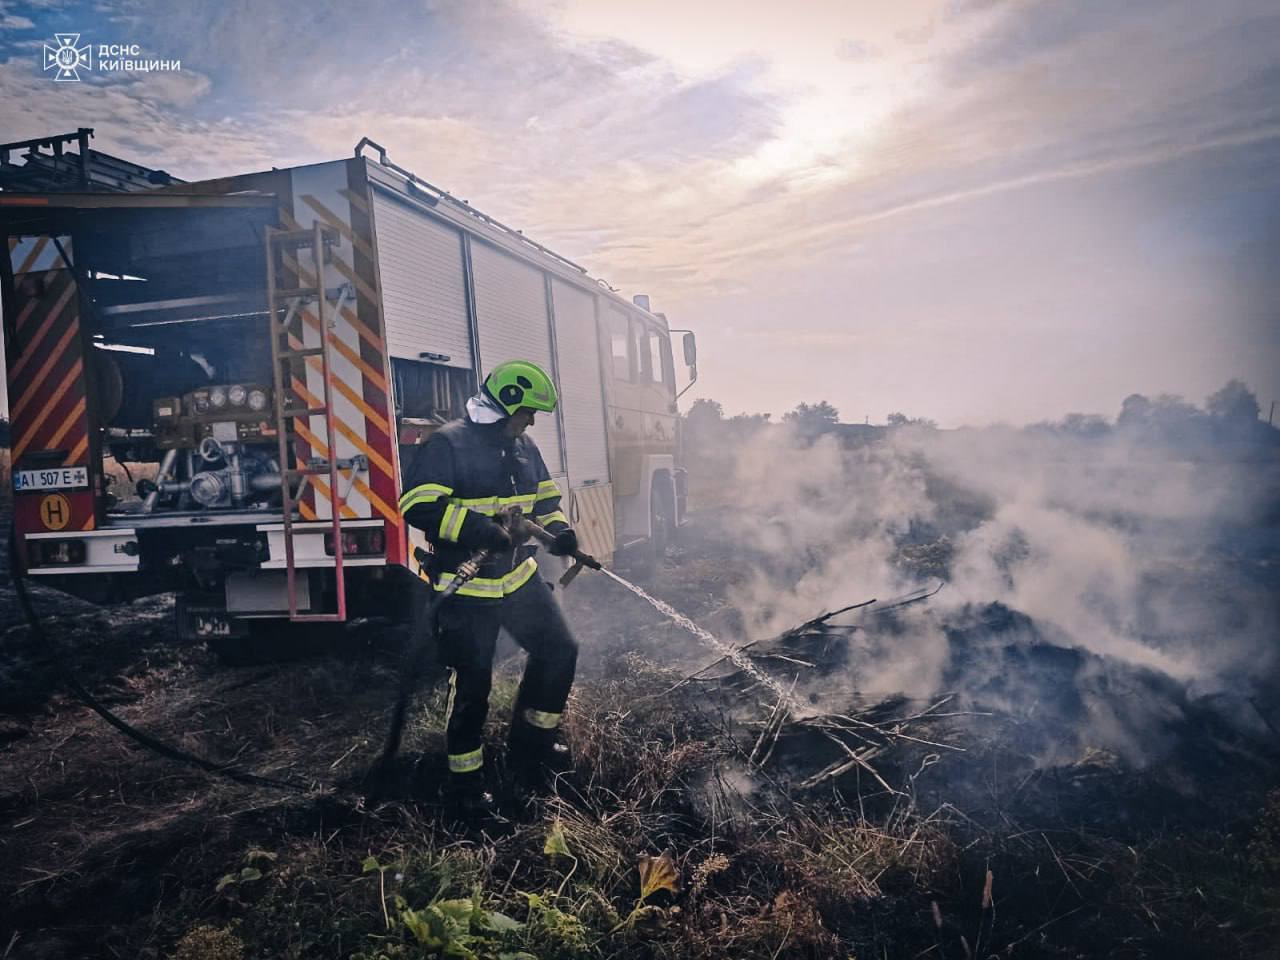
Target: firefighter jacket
[{"x": 455, "y": 483}]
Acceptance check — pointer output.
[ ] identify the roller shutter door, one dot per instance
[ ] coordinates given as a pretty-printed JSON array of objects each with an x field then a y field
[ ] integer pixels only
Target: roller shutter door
[
  {"x": 511, "y": 313},
  {"x": 577, "y": 349},
  {"x": 424, "y": 299}
]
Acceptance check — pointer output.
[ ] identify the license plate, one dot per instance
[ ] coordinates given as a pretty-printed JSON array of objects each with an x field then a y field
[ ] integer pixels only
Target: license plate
[{"x": 55, "y": 478}]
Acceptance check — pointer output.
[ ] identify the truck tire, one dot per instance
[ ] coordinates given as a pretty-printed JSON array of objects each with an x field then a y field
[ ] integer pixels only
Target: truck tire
[
  {"x": 647, "y": 558},
  {"x": 662, "y": 522}
]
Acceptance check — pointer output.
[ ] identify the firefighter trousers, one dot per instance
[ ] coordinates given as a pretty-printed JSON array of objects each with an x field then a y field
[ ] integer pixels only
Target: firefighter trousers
[{"x": 468, "y": 633}]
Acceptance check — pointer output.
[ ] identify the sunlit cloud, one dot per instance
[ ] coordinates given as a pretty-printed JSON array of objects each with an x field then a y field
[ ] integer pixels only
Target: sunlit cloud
[{"x": 715, "y": 152}]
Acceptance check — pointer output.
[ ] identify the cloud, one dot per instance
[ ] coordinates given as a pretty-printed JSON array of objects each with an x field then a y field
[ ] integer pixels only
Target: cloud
[
  {"x": 137, "y": 119},
  {"x": 854, "y": 50},
  {"x": 180, "y": 88},
  {"x": 9, "y": 21},
  {"x": 716, "y": 153},
  {"x": 692, "y": 179}
]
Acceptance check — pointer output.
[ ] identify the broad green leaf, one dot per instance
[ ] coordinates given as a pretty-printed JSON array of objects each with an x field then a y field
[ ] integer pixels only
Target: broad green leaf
[
  {"x": 225, "y": 881},
  {"x": 256, "y": 854},
  {"x": 370, "y": 864},
  {"x": 501, "y": 923},
  {"x": 459, "y": 910},
  {"x": 658, "y": 873},
  {"x": 556, "y": 845},
  {"x": 250, "y": 873}
]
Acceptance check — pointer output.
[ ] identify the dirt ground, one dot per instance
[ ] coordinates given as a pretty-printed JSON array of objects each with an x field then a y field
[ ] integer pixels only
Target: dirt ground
[
  {"x": 112, "y": 851},
  {"x": 99, "y": 835}
]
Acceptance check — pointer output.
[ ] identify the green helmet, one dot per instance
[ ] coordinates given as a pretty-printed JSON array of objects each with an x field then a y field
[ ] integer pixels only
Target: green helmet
[{"x": 519, "y": 383}]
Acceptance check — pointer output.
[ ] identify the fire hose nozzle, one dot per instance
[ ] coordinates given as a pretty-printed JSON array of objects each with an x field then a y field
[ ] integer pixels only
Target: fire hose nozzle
[
  {"x": 467, "y": 569},
  {"x": 522, "y": 527}
]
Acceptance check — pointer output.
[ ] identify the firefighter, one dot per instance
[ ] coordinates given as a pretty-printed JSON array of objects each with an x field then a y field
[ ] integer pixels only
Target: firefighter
[{"x": 459, "y": 487}]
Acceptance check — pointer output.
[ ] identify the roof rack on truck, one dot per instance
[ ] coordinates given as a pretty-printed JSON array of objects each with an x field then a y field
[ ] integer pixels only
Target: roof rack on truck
[{"x": 48, "y": 166}]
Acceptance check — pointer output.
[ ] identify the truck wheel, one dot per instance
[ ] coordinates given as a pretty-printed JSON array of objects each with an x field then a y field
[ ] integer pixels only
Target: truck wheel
[
  {"x": 662, "y": 522},
  {"x": 648, "y": 557}
]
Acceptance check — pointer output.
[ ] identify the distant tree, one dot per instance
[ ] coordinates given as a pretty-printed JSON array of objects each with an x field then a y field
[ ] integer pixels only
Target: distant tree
[
  {"x": 1135, "y": 410},
  {"x": 1166, "y": 409},
  {"x": 1170, "y": 409},
  {"x": 813, "y": 418},
  {"x": 896, "y": 420},
  {"x": 1167, "y": 418},
  {"x": 704, "y": 415},
  {"x": 1235, "y": 401},
  {"x": 710, "y": 437},
  {"x": 1087, "y": 425},
  {"x": 750, "y": 421}
]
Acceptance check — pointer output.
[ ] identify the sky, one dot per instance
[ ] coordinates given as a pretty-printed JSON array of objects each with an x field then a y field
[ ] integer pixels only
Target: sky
[{"x": 969, "y": 210}]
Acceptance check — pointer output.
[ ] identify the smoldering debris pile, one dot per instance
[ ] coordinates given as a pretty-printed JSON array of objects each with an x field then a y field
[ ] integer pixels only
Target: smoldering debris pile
[
  {"x": 1013, "y": 694},
  {"x": 1110, "y": 604},
  {"x": 745, "y": 688}
]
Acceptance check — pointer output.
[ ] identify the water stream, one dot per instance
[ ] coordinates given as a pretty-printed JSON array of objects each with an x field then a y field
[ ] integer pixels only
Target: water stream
[{"x": 730, "y": 652}]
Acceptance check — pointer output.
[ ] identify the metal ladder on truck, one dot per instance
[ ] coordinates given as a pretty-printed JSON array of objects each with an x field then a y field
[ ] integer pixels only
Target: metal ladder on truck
[{"x": 290, "y": 360}]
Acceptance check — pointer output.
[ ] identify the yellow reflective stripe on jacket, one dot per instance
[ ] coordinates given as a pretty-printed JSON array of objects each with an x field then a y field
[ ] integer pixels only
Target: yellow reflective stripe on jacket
[
  {"x": 555, "y": 516},
  {"x": 491, "y": 505},
  {"x": 423, "y": 493},
  {"x": 518, "y": 577},
  {"x": 540, "y": 718},
  {"x": 476, "y": 587},
  {"x": 466, "y": 762},
  {"x": 492, "y": 588},
  {"x": 524, "y": 501},
  {"x": 451, "y": 522},
  {"x": 547, "y": 488},
  {"x": 486, "y": 505}
]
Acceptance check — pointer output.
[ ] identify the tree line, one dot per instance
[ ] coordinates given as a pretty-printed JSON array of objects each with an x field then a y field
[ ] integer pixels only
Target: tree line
[{"x": 1232, "y": 412}]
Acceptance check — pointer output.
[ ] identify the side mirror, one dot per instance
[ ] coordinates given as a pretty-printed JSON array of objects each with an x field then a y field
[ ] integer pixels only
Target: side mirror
[{"x": 690, "y": 350}]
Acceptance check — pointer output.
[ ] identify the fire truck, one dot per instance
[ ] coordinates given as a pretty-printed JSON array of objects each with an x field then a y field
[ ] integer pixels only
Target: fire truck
[{"x": 213, "y": 385}]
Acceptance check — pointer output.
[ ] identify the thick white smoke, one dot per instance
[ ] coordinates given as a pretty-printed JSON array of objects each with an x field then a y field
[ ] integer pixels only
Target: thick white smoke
[{"x": 1143, "y": 553}]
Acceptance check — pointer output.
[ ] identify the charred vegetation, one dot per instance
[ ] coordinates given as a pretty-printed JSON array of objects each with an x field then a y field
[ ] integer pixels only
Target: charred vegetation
[{"x": 996, "y": 769}]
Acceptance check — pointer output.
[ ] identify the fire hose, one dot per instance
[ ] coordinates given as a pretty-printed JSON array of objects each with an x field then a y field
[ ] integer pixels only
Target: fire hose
[
  {"x": 520, "y": 529},
  {"x": 81, "y": 693}
]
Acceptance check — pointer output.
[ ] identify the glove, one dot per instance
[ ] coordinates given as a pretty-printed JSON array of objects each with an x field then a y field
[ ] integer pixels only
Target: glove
[
  {"x": 495, "y": 539},
  {"x": 566, "y": 544}
]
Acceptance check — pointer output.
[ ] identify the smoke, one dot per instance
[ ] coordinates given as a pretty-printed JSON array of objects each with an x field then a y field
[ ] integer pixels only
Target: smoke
[
  {"x": 1116, "y": 572},
  {"x": 1132, "y": 550}
]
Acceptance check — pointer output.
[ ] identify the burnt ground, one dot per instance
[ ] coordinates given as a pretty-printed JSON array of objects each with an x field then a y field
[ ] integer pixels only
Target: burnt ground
[{"x": 1030, "y": 843}]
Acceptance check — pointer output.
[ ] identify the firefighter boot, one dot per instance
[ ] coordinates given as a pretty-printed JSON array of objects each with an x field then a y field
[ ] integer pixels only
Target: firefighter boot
[
  {"x": 537, "y": 757},
  {"x": 470, "y": 804}
]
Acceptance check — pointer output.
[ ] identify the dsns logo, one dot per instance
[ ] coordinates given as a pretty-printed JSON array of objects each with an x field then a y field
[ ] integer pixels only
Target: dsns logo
[{"x": 67, "y": 57}]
